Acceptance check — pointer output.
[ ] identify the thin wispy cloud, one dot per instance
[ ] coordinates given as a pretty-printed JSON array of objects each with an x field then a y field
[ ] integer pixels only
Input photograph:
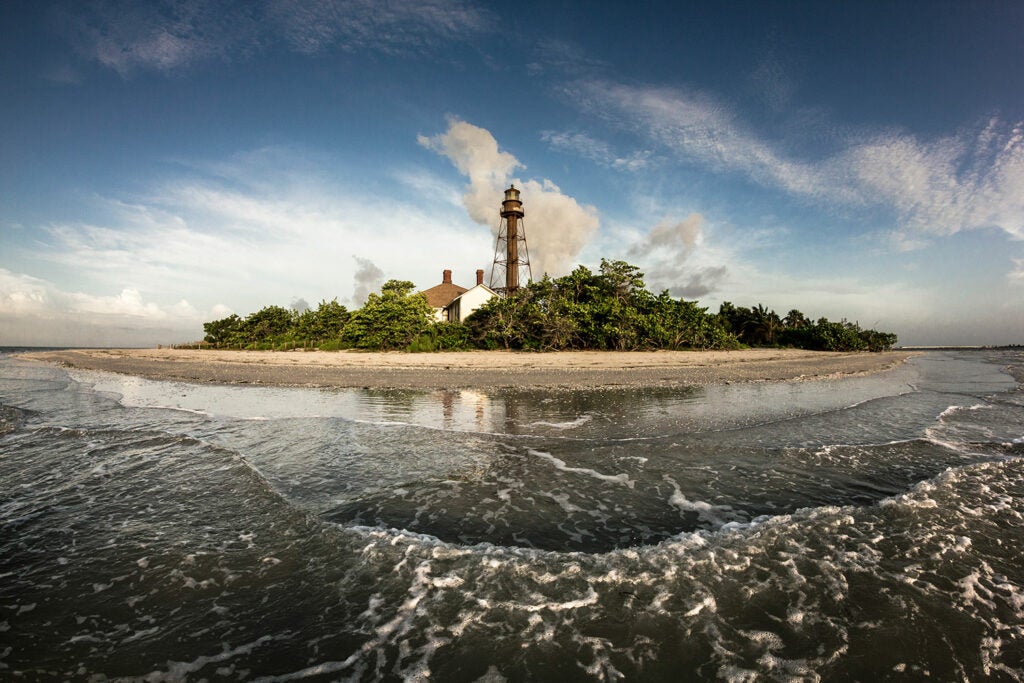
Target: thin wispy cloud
[
  {"x": 401, "y": 27},
  {"x": 1016, "y": 276},
  {"x": 772, "y": 82},
  {"x": 598, "y": 151},
  {"x": 698, "y": 129},
  {"x": 62, "y": 74},
  {"x": 162, "y": 36},
  {"x": 969, "y": 181},
  {"x": 174, "y": 35},
  {"x": 562, "y": 57}
]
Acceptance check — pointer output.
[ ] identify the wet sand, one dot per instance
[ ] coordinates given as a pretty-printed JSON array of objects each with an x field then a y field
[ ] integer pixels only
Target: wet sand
[{"x": 475, "y": 369}]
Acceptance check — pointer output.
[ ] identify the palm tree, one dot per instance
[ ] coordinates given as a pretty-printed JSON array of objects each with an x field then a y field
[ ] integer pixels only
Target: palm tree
[
  {"x": 763, "y": 324},
  {"x": 795, "y": 320}
]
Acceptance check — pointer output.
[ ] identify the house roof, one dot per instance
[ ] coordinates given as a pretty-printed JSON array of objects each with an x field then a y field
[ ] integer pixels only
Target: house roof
[{"x": 443, "y": 294}]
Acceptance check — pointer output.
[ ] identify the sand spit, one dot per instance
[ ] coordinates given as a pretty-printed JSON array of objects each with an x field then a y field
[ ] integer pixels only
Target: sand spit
[{"x": 475, "y": 369}]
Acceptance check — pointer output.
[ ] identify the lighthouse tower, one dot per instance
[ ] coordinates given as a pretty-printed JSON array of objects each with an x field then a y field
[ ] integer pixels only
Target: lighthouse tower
[{"x": 511, "y": 257}]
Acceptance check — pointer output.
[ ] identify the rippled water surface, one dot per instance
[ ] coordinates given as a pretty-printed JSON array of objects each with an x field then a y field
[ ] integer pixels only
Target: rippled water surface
[{"x": 863, "y": 529}]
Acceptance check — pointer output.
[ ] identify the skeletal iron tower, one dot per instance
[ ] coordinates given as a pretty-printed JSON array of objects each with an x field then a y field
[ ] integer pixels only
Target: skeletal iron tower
[{"x": 511, "y": 255}]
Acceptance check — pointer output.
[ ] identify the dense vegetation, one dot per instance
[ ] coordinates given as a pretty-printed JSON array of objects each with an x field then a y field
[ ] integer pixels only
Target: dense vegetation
[
  {"x": 607, "y": 310},
  {"x": 759, "y": 326}
]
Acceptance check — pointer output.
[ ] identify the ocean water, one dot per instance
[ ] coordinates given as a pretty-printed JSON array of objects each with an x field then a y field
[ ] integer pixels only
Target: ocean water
[{"x": 864, "y": 529}]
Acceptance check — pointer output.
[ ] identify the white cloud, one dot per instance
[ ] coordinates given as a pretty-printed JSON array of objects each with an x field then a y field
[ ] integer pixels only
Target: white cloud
[
  {"x": 162, "y": 36},
  {"x": 674, "y": 257},
  {"x": 684, "y": 234},
  {"x": 428, "y": 185},
  {"x": 22, "y": 294},
  {"x": 34, "y": 311},
  {"x": 595, "y": 150},
  {"x": 247, "y": 235},
  {"x": 695, "y": 127},
  {"x": 128, "y": 304},
  {"x": 367, "y": 278},
  {"x": 969, "y": 181},
  {"x": 474, "y": 152},
  {"x": 1016, "y": 276},
  {"x": 557, "y": 226},
  {"x": 170, "y": 35}
]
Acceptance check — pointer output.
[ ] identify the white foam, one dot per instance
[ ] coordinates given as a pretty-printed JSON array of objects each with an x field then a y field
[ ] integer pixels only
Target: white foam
[
  {"x": 973, "y": 590},
  {"x": 492, "y": 675},
  {"x": 139, "y": 635},
  {"x": 955, "y": 409},
  {"x": 766, "y": 639},
  {"x": 178, "y": 671},
  {"x": 571, "y": 424},
  {"x": 719, "y": 516},
  {"x": 621, "y": 478},
  {"x": 563, "y": 501},
  {"x": 707, "y": 604}
]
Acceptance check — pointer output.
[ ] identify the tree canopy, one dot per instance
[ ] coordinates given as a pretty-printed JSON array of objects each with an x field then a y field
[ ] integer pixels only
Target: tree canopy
[
  {"x": 610, "y": 309},
  {"x": 392, "y": 319},
  {"x": 759, "y": 326},
  {"x": 274, "y": 325}
]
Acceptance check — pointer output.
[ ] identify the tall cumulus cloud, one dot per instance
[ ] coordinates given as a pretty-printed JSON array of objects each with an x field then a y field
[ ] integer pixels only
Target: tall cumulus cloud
[{"x": 557, "y": 226}]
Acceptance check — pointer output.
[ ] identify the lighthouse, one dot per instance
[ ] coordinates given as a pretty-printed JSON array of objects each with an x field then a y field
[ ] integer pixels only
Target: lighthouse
[{"x": 511, "y": 256}]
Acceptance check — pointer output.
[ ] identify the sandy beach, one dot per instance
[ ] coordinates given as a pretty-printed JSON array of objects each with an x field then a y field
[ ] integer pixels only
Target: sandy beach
[{"x": 475, "y": 369}]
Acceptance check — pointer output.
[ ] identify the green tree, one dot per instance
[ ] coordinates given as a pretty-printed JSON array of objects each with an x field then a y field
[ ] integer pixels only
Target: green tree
[
  {"x": 326, "y": 322},
  {"x": 739, "y": 320},
  {"x": 678, "y": 324},
  {"x": 795, "y": 320},
  {"x": 391, "y": 319},
  {"x": 223, "y": 331},
  {"x": 878, "y": 341},
  {"x": 762, "y": 326},
  {"x": 826, "y": 335},
  {"x": 266, "y": 323},
  {"x": 443, "y": 336},
  {"x": 610, "y": 309}
]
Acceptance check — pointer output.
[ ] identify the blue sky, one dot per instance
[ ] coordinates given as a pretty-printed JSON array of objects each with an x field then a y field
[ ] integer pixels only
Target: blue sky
[{"x": 164, "y": 164}]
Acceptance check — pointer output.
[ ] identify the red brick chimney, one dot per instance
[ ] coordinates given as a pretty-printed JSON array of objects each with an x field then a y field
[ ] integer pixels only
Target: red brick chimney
[
  {"x": 446, "y": 277},
  {"x": 479, "y": 277}
]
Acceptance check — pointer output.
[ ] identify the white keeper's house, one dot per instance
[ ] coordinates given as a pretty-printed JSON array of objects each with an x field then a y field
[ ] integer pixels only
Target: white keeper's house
[{"x": 454, "y": 303}]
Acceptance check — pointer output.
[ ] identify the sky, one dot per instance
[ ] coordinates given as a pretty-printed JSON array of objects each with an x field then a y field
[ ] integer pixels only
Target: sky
[{"x": 163, "y": 164}]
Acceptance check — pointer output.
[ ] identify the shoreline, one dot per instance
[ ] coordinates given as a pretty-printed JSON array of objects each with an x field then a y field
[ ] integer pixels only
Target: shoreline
[{"x": 476, "y": 369}]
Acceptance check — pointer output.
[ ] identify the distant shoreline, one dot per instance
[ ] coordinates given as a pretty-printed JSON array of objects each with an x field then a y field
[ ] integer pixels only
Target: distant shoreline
[{"x": 475, "y": 369}]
